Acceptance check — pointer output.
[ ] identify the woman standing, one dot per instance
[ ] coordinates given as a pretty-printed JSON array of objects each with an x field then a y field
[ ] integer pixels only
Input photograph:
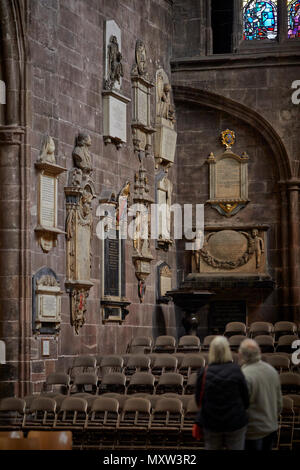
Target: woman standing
[{"x": 222, "y": 413}]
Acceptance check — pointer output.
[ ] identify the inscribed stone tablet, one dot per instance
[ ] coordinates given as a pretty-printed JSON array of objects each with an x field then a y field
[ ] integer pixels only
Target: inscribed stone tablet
[
  {"x": 47, "y": 205},
  {"x": 83, "y": 252},
  {"x": 227, "y": 245},
  {"x": 117, "y": 118},
  {"x": 168, "y": 144},
  {"x": 228, "y": 178},
  {"x": 142, "y": 100},
  {"x": 111, "y": 268},
  {"x": 48, "y": 306},
  {"x": 165, "y": 285}
]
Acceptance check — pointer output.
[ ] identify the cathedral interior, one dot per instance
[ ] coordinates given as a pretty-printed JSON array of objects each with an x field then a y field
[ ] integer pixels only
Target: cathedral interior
[{"x": 108, "y": 108}]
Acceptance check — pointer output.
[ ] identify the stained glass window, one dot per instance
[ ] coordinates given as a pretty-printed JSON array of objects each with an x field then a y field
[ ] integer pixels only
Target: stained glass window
[
  {"x": 260, "y": 20},
  {"x": 294, "y": 19}
]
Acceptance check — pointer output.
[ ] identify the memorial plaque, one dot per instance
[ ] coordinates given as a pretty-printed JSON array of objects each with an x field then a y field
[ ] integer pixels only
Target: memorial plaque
[
  {"x": 227, "y": 245},
  {"x": 83, "y": 252},
  {"x": 48, "y": 306},
  {"x": 112, "y": 267},
  {"x": 142, "y": 101},
  {"x": 48, "y": 201},
  {"x": 165, "y": 285},
  {"x": 115, "y": 117},
  {"x": 228, "y": 175},
  {"x": 168, "y": 143},
  {"x": 223, "y": 312}
]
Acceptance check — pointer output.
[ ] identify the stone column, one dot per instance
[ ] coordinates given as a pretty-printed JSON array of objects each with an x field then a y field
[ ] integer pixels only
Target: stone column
[
  {"x": 12, "y": 321},
  {"x": 293, "y": 186}
]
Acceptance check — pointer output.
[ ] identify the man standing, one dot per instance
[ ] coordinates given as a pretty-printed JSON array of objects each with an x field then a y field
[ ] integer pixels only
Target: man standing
[{"x": 265, "y": 397}]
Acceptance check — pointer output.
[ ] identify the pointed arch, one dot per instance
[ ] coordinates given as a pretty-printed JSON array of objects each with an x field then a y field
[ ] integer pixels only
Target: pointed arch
[{"x": 253, "y": 118}]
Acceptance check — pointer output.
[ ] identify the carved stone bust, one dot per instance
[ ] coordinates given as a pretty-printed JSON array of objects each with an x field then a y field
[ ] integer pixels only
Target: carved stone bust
[
  {"x": 81, "y": 155},
  {"x": 48, "y": 149}
]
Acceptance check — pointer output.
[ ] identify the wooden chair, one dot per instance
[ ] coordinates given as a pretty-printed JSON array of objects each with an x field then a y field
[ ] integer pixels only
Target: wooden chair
[
  {"x": 261, "y": 328},
  {"x": 113, "y": 382},
  {"x": 166, "y": 423},
  {"x": 140, "y": 344}
]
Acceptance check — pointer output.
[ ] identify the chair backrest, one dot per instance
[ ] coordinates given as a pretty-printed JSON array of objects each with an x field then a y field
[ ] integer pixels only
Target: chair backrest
[
  {"x": 188, "y": 342},
  {"x": 74, "y": 404},
  {"x": 140, "y": 404},
  {"x": 165, "y": 343},
  {"x": 142, "y": 378},
  {"x": 43, "y": 404},
  {"x": 104, "y": 403},
  {"x": 193, "y": 361},
  {"x": 113, "y": 382},
  {"x": 235, "y": 327},
  {"x": 141, "y": 382},
  {"x": 52, "y": 440},
  {"x": 260, "y": 328},
  {"x": 282, "y": 328},
  {"x": 140, "y": 344},
  {"x": 166, "y": 361},
  {"x": 138, "y": 362},
  {"x": 287, "y": 405},
  {"x": 266, "y": 342},
  {"x": 169, "y": 406},
  {"x": 280, "y": 363},
  {"x": 235, "y": 341},
  {"x": 12, "y": 404},
  {"x": 114, "y": 362},
  {"x": 170, "y": 381}
]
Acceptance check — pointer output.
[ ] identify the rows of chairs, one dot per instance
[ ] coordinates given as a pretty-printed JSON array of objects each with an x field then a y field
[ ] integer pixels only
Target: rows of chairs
[
  {"x": 107, "y": 421},
  {"x": 278, "y": 337},
  {"x": 115, "y": 421}
]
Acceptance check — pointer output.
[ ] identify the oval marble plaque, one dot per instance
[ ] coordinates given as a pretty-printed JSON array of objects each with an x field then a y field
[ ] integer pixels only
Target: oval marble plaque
[{"x": 227, "y": 245}]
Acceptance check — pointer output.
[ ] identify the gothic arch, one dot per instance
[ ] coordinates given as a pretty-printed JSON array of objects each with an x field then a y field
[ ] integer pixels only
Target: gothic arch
[{"x": 261, "y": 125}]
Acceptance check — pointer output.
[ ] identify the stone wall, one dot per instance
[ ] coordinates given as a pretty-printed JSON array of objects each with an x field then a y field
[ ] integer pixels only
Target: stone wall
[{"x": 67, "y": 56}]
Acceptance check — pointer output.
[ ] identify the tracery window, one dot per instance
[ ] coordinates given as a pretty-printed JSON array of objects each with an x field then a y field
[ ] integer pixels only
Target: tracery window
[
  {"x": 294, "y": 19},
  {"x": 260, "y": 19}
]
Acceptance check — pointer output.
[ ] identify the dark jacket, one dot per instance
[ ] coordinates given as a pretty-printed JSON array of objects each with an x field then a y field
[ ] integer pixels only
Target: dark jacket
[{"x": 225, "y": 398}]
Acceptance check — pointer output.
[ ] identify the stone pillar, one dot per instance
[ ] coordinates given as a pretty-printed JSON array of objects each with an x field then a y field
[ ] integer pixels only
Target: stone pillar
[
  {"x": 293, "y": 187},
  {"x": 12, "y": 321},
  {"x": 284, "y": 245}
]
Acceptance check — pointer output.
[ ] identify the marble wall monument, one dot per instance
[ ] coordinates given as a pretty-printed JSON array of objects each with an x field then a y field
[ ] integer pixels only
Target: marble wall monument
[
  {"x": 113, "y": 298},
  {"x": 142, "y": 256},
  {"x": 79, "y": 193},
  {"x": 142, "y": 85},
  {"x": 164, "y": 190},
  {"x": 46, "y": 302},
  {"x": 166, "y": 136},
  {"x": 232, "y": 251},
  {"x": 114, "y": 102},
  {"x": 228, "y": 178},
  {"x": 48, "y": 173}
]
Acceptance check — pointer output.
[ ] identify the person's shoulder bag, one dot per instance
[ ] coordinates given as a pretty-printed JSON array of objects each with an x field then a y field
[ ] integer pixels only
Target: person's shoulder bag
[{"x": 197, "y": 430}]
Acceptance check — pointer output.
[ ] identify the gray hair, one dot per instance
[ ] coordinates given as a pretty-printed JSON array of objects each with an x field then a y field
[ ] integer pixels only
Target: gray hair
[
  {"x": 219, "y": 351},
  {"x": 250, "y": 351}
]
